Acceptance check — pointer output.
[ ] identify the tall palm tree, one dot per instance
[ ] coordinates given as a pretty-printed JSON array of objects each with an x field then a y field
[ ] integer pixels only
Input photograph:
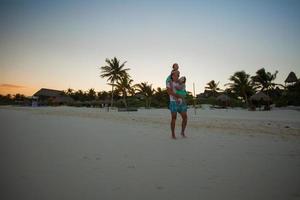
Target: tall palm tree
[
  {"x": 160, "y": 94},
  {"x": 113, "y": 71},
  {"x": 147, "y": 90},
  {"x": 123, "y": 85},
  {"x": 264, "y": 80},
  {"x": 241, "y": 85},
  {"x": 213, "y": 87}
]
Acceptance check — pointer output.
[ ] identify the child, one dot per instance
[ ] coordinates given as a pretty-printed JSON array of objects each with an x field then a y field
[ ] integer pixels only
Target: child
[
  {"x": 175, "y": 68},
  {"x": 180, "y": 89}
]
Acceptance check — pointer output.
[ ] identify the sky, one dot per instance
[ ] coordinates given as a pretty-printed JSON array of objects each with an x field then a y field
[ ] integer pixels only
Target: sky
[{"x": 62, "y": 44}]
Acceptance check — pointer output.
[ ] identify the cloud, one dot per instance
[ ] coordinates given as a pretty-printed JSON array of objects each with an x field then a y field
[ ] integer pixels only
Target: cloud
[{"x": 11, "y": 86}]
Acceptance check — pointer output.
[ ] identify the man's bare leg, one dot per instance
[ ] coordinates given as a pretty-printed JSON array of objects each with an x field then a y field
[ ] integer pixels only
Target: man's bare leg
[
  {"x": 183, "y": 124},
  {"x": 173, "y": 122}
]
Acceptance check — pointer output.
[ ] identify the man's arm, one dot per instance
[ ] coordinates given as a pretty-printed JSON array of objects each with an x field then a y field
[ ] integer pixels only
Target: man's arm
[{"x": 170, "y": 92}]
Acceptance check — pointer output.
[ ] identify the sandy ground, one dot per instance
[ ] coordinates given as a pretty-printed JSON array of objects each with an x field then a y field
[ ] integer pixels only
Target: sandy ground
[{"x": 88, "y": 153}]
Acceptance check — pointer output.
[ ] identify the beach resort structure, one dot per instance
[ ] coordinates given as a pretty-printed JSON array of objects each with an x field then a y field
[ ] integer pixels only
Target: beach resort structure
[
  {"x": 260, "y": 99},
  {"x": 50, "y": 97},
  {"x": 224, "y": 100},
  {"x": 207, "y": 94},
  {"x": 291, "y": 79}
]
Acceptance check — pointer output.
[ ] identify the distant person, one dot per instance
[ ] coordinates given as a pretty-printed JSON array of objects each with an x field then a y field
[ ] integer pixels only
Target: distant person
[{"x": 175, "y": 104}]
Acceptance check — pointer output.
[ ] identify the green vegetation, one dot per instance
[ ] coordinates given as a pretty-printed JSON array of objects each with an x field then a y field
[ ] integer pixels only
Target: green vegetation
[
  {"x": 125, "y": 93},
  {"x": 18, "y": 99},
  {"x": 241, "y": 86},
  {"x": 213, "y": 87}
]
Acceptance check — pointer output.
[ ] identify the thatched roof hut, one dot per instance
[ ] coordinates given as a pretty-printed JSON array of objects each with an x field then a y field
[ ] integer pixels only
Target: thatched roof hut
[
  {"x": 48, "y": 93},
  {"x": 223, "y": 98},
  {"x": 63, "y": 99},
  {"x": 54, "y": 96},
  {"x": 260, "y": 96},
  {"x": 207, "y": 94},
  {"x": 292, "y": 78}
]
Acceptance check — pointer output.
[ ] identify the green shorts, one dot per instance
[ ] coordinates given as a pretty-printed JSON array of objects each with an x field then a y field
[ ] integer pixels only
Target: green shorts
[{"x": 176, "y": 107}]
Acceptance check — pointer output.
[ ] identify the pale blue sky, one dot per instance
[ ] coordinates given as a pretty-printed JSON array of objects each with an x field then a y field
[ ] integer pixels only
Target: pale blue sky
[{"x": 60, "y": 44}]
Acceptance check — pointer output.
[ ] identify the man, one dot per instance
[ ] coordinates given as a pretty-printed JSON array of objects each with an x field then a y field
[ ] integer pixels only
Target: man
[{"x": 175, "y": 106}]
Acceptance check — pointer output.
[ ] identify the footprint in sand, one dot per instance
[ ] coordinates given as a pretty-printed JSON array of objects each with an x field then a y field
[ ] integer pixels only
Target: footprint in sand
[
  {"x": 98, "y": 158},
  {"x": 85, "y": 158},
  {"x": 160, "y": 187}
]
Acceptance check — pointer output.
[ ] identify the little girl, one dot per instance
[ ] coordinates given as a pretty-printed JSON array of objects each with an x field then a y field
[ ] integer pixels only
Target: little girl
[{"x": 180, "y": 89}]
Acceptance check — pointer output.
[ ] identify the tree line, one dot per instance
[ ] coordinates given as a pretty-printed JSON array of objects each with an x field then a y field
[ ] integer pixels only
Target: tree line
[
  {"x": 124, "y": 92},
  {"x": 242, "y": 86}
]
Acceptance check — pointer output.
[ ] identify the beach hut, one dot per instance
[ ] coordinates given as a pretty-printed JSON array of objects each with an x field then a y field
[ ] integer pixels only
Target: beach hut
[
  {"x": 291, "y": 79},
  {"x": 44, "y": 92},
  {"x": 34, "y": 101},
  {"x": 63, "y": 99},
  {"x": 224, "y": 100},
  {"x": 51, "y": 97},
  {"x": 207, "y": 94},
  {"x": 260, "y": 99}
]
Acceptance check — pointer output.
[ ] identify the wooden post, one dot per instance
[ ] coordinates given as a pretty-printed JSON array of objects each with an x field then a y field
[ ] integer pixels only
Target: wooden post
[{"x": 194, "y": 98}]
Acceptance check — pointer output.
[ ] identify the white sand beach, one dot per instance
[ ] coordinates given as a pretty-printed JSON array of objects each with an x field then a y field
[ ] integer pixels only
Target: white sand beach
[{"x": 64, "y": 153}]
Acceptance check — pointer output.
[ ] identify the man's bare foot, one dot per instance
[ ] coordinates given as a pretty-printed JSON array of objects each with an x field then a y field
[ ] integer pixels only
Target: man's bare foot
[
  {"x": 174, "y": 137},
  {"x": 183, "y": 135}
]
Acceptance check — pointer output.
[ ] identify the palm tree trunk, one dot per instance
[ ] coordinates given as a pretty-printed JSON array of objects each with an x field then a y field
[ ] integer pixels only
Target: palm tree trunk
[
  {"x": 124, "y": 99},
  {"x": 149, "y": 102},
  {"x": 146, "y": 102},
  {"x": 246, "y": 99},
  {"x": 112, "y": 95}
]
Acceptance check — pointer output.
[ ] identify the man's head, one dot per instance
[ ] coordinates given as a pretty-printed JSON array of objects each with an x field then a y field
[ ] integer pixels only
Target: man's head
[{"x": 175, "y": 75}]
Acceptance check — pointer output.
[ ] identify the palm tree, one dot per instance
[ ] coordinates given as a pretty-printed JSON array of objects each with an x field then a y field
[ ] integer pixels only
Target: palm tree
[
  {"x": 6, "y": 100},
  {"x": 212, "y": 86},
  {"x": 161, "y": 96},
  {"x": 131, "y": 91},
  {"x": 79, "y": 96},
  {"x": 91, "y": 94},
  {"x": 19, "y": 97},
  {"x": 113, "y": 71},
  {"x": 241, "y": 85},
  {"x": 123, "y": 85},
  {"x": 147, "y": 91},
  {"x": 69, "y": 92},
  {"x": 102, "y": 95},
  {"x": 264, "y": 80}
]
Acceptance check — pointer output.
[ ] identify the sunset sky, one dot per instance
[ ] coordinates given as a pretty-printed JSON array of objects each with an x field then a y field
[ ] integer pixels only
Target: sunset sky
[{"x": 62, "y": 44}]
